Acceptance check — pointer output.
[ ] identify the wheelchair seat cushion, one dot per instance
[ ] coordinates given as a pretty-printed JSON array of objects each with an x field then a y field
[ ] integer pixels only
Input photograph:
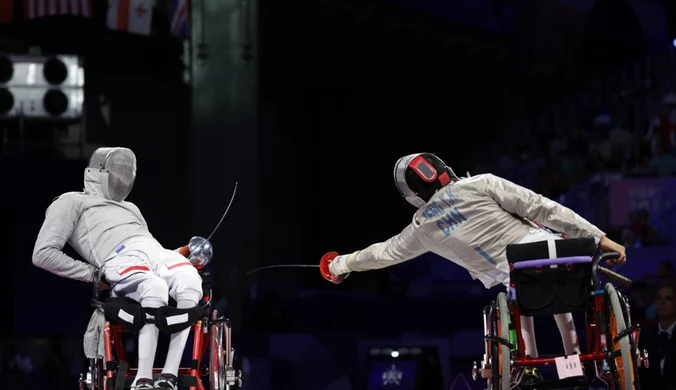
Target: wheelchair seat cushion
[
  {"x": 547, "y": 290},
  {"x": 126, "y": 312}
]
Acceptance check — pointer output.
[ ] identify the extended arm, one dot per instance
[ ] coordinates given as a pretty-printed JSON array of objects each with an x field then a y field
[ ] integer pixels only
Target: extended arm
[
  {"x": 60, "y": 220},
  {"x": 404, "y": 246},
  {"x": 535, "y": 207}
]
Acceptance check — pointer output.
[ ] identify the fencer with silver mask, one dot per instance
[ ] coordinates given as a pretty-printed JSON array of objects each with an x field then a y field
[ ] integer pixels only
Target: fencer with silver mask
[{"x": 110, "y": 234}]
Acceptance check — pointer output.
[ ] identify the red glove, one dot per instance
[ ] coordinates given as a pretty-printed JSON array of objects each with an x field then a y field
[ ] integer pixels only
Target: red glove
[
  {"x": 324, "y": 268},
  {"x": 184, "y": 251}
]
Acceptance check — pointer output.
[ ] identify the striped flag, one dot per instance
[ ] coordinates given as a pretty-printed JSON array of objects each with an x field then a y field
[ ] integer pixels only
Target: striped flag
[
  {"x": 6, "y": 11},
  {"x": 180, "y": 18},
  {"x": 33, "y": 9},
  {"x": 134, "y": 16}
]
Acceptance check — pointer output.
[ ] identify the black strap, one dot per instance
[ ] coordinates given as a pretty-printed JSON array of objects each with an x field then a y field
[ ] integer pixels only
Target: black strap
[
  {"x": 121, "y": 375},
  {"x": 499, "y": 340},
  {"x": 624, "y": 333}
]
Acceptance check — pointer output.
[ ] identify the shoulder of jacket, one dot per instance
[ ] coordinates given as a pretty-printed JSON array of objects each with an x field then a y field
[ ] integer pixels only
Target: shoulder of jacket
[
  {"x": 67, "y": 197},
  {"x": 480, "y": 178},
  {"x": 71, "y": 200},
  {"x": 130, "y": 205}
]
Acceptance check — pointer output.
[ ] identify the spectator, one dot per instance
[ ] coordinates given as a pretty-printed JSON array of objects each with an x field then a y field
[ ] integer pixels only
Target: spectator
[
  {"x": 558, "y": 146},
  {"x": 600, "y": 144},
  {"x": 662, "y": 130},
  {"x": 620, "y": 136},
  {"x": 56, "y": 366},
  {"x": 662, "y": 163},
  {"x": 617, "y": 160},
  {"x": 639, "y": 301},
  {"x": 16, "y": 370},
  {"x": 577, "y": 139},
  {"x": 629, "y": 239},
  {"x": 640, "y": 226},
  {"x": 660, "y": 342},
  {"x": 578, "y": 172},
  {"x": 641, "y": 163},
  {"x": 665, "y": 273}
]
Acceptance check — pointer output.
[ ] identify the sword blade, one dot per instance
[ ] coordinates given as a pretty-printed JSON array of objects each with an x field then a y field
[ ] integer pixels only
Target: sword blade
[
  {"x": 284, "y": 266},
  {"x": 232, "y": 198}
]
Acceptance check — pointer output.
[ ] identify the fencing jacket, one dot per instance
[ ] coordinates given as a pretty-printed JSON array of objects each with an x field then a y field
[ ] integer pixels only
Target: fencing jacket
[
  {"x": 470, "y": 222},
  {"x": 93, "y": 225}
]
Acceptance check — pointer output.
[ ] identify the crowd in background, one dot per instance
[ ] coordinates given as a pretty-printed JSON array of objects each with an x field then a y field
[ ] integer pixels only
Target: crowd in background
[{"x": 600, "y": 142}]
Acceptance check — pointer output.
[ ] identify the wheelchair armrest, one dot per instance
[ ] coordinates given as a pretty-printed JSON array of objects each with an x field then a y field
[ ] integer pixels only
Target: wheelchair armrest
[{"x": 595, "y": 266}]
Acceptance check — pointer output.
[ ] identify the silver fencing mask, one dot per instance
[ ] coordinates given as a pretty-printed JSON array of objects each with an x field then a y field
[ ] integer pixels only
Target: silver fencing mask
[{"x": 118, "y": 171}]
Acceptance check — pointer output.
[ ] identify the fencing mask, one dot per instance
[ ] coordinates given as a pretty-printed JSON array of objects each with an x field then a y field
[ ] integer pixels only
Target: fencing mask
[{"x": 118, "y": 171}]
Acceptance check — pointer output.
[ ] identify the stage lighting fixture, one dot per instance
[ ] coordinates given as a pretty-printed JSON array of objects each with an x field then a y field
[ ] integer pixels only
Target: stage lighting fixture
[{"x": 41, "y": 87}]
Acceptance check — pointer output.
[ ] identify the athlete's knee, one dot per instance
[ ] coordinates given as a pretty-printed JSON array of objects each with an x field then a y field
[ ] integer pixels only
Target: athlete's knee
[
  {"x": 153, "y": 291},
  {"x": 187, "y": 286}
]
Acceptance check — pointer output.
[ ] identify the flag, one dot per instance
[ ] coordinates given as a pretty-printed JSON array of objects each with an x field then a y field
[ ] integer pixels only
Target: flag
[
  {"x": 134, "y": 16},
  {"x": 39, "y": 8},
  {"x": 180, "y": 18},
  {"x": 6, "y": 11}
]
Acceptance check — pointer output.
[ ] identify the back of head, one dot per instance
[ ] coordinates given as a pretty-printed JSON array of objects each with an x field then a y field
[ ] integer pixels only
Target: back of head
[
  {"x": 419, "y": 176},
  {"x": 117, "y": 167}
]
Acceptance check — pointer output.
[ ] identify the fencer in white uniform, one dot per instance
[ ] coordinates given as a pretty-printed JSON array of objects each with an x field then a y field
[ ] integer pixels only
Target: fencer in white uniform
[
  {"x": 470, "y": 221},
  {"x": 111, "y": 234}
]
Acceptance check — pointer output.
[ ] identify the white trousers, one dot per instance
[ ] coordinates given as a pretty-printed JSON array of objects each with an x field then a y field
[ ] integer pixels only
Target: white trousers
[
  {"x": 144, "y": 271},
  {"x": 141, "y": 269}
]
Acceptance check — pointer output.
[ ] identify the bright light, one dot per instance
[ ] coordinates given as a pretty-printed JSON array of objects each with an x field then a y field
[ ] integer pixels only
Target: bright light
[
  {"x": 394, "y": 354},
  {"x": 674, "y": 42}
]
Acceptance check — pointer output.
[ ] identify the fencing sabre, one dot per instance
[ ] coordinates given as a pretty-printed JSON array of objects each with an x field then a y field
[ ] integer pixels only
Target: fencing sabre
[
  {"x": 284, "y": 266},
  {"x": 232, "y": 198}
]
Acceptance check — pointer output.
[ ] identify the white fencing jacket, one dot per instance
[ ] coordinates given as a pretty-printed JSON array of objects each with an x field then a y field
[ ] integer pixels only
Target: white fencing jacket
[{"x": 470, "y": 222}]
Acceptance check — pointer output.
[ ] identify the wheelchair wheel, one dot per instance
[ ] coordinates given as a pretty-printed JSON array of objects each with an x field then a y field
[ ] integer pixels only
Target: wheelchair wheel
[
  {"x": 217, "y": 351},
  {"x": 500, "y": 353},
  {"x": 621, "y": 359}
]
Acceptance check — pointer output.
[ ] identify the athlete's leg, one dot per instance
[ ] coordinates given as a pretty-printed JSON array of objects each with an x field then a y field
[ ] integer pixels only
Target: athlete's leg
[
  {"x": 185, "y": 287},
  {"x": 130, "y": 276},
  {"x": 563, "y": 321}
]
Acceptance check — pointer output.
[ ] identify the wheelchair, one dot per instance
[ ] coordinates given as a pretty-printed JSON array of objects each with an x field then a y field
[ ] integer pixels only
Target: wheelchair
[
  {"x": 553, "y": 277},
  {"x": 211, "y": 333}
]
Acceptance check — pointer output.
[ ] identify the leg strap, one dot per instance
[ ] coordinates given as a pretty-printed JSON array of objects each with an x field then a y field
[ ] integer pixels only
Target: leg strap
[{"x": 170, "y": 319}]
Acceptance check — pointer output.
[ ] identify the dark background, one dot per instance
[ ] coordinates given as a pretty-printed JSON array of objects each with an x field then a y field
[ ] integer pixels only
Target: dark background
[{"x": 307, "y": 105}]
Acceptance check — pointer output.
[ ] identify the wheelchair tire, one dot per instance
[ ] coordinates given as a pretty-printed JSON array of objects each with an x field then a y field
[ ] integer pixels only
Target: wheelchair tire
[
  {"x": 622, "y": 367},
  {"x": 501, "y": 368},
  {"x": 217, "y": 355}
]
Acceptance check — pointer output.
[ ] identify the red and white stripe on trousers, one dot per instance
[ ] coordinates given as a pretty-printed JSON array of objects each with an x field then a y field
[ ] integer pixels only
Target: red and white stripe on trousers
[{"x": 39, "y": 8}]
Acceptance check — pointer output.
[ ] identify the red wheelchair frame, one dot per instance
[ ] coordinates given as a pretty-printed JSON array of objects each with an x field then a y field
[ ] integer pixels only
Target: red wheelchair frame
[
  {"x": 610, "y": 337},
  {"x": 210, "y": 333}
]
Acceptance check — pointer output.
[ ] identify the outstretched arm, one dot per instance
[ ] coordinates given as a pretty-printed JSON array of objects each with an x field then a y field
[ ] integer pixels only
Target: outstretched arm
[
  {"x": 404, "y": 246},
  {"x": 527, "y": 204},
  {"x": 60, "y": 220}
]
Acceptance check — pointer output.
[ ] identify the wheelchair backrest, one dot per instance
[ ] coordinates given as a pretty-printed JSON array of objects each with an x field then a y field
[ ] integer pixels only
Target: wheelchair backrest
[{"x": 544, "y": 287}]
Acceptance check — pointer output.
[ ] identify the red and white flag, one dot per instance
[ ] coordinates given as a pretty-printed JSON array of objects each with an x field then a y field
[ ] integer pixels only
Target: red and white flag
[
  {"x": 39, "y": 8},
  {"x": 134, "y": 16}
]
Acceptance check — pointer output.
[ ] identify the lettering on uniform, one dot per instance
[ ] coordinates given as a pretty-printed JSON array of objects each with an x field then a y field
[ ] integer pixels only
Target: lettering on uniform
[
  {"x": 452, "y": 219},
  {"x": 448, "y": 198},
  {"x": 435, "y": 209}
]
